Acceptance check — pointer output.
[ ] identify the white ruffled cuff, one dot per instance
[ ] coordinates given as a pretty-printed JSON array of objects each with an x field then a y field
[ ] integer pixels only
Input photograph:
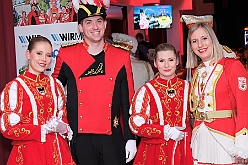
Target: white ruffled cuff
[
  {"x": 237, "y": 152},
  {"x": 166, "y": 132},
  {"x": 43, "y": 133}
]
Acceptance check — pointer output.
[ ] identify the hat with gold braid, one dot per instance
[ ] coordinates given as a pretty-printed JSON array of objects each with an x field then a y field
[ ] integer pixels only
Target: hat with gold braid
[
  {"x": 125, "y": 41},
  {"x": 89, "y": 8},
  {"x": 190, "y": 20}
]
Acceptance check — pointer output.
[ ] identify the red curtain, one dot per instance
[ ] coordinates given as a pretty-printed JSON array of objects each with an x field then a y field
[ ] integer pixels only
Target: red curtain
[{"x": 7, "y": 62}]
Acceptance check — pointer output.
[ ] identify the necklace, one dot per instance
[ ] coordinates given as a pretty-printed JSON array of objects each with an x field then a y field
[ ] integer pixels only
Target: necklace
[
  {"x": 202, "y": 87},
  {"x": 169, "y": 88}
]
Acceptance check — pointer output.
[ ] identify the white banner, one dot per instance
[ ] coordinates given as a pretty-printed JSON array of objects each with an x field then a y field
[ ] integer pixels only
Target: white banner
[{"x": 58, "y": 34}]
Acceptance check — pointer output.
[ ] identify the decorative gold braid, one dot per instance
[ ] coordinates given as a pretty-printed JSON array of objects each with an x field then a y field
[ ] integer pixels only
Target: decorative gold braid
[
  {"x": 123, "y": 46},
  {"x": 85, "y": 9},
  {"x": 148, "y": 71}
]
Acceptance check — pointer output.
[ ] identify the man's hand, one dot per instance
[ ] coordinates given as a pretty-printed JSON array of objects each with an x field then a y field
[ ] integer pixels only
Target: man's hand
[{"x": 131, "y": 150}]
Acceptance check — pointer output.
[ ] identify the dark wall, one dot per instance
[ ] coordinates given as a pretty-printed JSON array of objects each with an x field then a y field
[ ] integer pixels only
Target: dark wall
[
  {"x": 157, "y": 36},
  {"x": 231, "y": 21}
]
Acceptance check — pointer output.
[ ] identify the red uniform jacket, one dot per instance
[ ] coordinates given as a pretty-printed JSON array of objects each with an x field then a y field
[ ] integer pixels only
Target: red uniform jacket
[
  {"x": 96, "y": 91},
  {"x": 228, "y": 91},
  {"x": 156, "y": 104},
  {"x": 33, "y": 18}
]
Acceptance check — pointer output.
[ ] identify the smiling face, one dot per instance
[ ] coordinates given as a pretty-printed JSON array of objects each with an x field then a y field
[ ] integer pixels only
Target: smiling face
[
  {"x": 39, "y": 57},
  {"x": 70, "y": 4},
  {"x": 93, "y": 29},
  {"x": 23, "y": 14},
  {"x": 42, "y": 13},
  {"x": 166, "y": 62},
  {"x": 63, "y": 9},
  {"x": 201, "y": 44},
  {"x": 53, "y": 4},
  {"x": 33, "y": 8}
]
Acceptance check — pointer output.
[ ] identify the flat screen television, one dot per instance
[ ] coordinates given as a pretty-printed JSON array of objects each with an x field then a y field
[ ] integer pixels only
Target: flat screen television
[
  {"x": 152, "y": 17},
  {"x": 246, "y": 36}
]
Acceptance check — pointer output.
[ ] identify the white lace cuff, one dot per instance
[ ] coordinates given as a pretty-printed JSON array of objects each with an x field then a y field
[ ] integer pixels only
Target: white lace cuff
[
  {"x": 237, "y": 152},
  {"x": 43, "y": 133},
  {"x": 166, "y": 132}
]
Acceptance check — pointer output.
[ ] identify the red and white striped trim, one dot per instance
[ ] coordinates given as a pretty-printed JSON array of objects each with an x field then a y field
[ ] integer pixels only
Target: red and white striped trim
[
  {"x": 158, "y": 103},
  {"x": 185, "y": 103}
]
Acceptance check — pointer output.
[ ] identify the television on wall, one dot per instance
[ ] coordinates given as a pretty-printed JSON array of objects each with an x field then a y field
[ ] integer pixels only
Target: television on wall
[
  {"x": 152, "y": 17},
  {"x": 246, "y": 37}
]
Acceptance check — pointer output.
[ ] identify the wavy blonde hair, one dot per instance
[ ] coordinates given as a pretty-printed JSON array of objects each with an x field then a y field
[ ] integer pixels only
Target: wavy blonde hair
[{"x": 217, "y": 52}]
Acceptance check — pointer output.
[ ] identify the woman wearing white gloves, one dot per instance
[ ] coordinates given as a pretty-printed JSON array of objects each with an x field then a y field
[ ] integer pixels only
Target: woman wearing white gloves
[
  {"x": 160, "y": 116},
  {"x": 33, "y": 112}
]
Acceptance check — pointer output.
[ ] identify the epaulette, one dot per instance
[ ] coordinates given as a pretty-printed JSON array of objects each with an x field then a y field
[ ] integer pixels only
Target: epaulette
[
  {"x": 227, "y": 49},
  {"x": 228, "y": 53},
  {"x": 123, "y": 46},
  {"x": 69, "y": 44}
]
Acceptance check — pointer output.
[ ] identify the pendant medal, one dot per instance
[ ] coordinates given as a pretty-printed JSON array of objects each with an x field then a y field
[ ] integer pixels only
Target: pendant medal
[
  {"x": 201, "y": 104},
  {"x": 171, "y": 92},
  {"x": 41, "y": 89}
]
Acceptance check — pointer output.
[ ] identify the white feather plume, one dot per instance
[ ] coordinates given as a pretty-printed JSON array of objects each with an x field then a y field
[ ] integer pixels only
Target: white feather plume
[
  {"x": 90, "y": 2},
  {"x": 106, "y": 3},
  {"x": 75, "y": 4}
]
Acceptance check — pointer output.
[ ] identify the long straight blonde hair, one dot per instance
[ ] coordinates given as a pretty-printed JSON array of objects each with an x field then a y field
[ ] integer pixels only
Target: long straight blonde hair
[{"x": 217, "y": 52}]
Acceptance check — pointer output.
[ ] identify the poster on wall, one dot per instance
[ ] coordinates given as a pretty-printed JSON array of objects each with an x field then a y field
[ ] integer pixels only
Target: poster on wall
[
  {"x": 58, "y": 34},
  {"x": 46, "y": 18},
  {"x": 39, "y": 12}
]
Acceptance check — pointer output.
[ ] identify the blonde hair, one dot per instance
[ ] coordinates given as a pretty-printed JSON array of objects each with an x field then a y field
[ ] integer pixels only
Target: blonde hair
[{"x": 217, "y": 52}]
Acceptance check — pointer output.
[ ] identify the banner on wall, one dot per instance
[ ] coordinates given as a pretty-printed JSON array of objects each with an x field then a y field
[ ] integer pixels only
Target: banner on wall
[
  {"x": 58, "y": 34},
  {"x": 39, "y": 12},
  {"x": 54, "y": 19}
]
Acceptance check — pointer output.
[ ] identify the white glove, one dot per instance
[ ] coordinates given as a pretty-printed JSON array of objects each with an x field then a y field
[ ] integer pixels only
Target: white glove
[
  {"x": 61, "y": 127},
  {"x": 52, "y": 123},
  {"x": 44, "y": 131},
  {"x": 131, "y": 150},
  {"x": 237, "y": 152},
  {"x": 173, "y": 133},
  {"x": 57, "y": 125}
]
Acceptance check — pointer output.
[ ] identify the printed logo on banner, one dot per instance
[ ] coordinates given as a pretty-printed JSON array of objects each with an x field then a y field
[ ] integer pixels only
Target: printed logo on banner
[
  {"x": 22, "y": 39},
  {"x": 26, "y": 39},
  {"x": 66, "y": 37}
]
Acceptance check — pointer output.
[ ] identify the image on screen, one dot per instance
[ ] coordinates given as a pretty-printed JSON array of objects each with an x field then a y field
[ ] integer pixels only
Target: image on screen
[
  {"x": 152, "y": 17},
  {"x": 246, "y": 37}
]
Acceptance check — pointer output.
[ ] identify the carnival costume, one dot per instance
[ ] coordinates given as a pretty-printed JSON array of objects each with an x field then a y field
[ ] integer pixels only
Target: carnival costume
[
  {"x": 28, "y": 104},
  {"x": 158, "y": 104},
  {"x": 33, "y": 18},
  {"x": 22, "y": 22},
  {"x": 98, "y": 86},
  {"x": 219, "y": 102},
  {"x": 218, "y": 94}
]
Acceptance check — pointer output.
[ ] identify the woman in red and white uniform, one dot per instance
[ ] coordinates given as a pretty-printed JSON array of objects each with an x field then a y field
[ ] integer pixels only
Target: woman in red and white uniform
[
  {"x": 33, "y": 112},
  {"x": 23, "y": 21},
  {"x": 65, "y": 15},
  {"x": 219, "y": 98},
  {"x": 159, "y": 114},
  {"x": 43, "y": 19}
]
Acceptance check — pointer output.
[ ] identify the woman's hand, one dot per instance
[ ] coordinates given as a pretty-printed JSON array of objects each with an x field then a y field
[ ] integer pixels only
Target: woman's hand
[
  {"x": 173, "y": 133},
  {"x": 240, "y": 160}
]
